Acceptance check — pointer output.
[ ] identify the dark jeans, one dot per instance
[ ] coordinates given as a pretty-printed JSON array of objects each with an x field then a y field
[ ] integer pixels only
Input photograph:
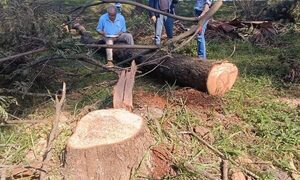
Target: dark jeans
[
  {"x": 160, "y": 22},
  {"x": 201, "y": 47}
]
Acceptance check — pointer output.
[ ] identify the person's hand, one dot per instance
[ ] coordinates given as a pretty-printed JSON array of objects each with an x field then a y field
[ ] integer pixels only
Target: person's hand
[{"x": 153, "y": 19}]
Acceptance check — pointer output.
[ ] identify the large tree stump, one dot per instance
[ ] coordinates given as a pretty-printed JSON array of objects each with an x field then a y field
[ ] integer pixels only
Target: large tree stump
[{"x": 107, "y": 144}]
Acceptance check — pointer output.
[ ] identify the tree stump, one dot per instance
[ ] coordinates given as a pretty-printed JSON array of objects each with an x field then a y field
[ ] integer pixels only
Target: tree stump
[{"x": 107, "y": 144}]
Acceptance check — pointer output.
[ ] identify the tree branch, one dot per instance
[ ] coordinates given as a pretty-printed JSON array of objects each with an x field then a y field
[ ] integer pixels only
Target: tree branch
[
  {"x": 96, "y": 63},
  {"x": 82, "y": 8},
  {"x": 13, "y": 91},
  {"x": 42, "y": 49},
  {"x": 201, "y": 21},
  {"x": 220, "y": 154},
  {"x": 122, "y": 46},
  {"x": 134, "y": 57},
  {"x": 54, "y": 132}
]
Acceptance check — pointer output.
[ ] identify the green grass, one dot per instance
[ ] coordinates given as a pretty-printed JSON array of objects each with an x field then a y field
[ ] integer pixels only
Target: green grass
[
  {"x": 103, "y": 94},
  {"x": 16, "y": 142},
  {"x": 275, "y": 125},
  {"x": 254, "y": 99},
  {"x": 187, "y": 150}
]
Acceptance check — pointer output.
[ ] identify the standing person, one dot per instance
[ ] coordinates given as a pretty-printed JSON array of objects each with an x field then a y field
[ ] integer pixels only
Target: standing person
[
  {"x": 112, "y": 27},
  {"x": 119, "y": 7},
  {"x": 160, "y": 20},
  {"x": 201, "y": 7}
]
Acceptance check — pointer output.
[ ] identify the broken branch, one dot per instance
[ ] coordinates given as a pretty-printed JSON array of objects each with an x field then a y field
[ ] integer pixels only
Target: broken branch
[
  {"x": 54, "y": 132},
  {"x": 122, "y": 46},
  {"x": 42, "y": 49},
  {"x": 82, "y": 8},
  {"x": 219, "y": 153},
  {"x": 224, "y": 169},
  {"x": 13, "y": 91}
]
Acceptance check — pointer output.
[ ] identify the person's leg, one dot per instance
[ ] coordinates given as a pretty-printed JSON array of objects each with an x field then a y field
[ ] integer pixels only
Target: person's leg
[
  {"x": 201, "y": 42},
  {"x": 169, "y": 22},
  {"x": 201, "y": 47},
  {"x": 109, "y": 52},
  {"x": 126, "y": 37},
  {"x": 158, "y": 29}
]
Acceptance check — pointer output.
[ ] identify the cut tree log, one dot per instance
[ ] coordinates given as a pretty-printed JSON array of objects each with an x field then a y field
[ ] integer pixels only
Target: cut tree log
[
  {"x": 214, "y": 77},
  {"x": 107, "y": 144}
]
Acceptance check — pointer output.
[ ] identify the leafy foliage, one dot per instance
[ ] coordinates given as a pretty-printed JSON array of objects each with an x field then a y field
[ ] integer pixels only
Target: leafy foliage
[
  {"x": 283, "y": 10},
  {"x": 5, "y": 102},
  {"x": 24, "y": 20}
]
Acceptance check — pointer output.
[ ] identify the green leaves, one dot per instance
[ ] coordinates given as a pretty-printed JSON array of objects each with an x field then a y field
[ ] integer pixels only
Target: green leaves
[{"x": 5, "y": 102}]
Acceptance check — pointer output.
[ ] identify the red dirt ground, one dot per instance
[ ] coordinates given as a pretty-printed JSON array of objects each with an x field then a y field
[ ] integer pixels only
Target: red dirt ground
[
  {"x": 143, "y": 98},
  {"x": 197, "y": 99},
  {"x": 161, "y": 162}
]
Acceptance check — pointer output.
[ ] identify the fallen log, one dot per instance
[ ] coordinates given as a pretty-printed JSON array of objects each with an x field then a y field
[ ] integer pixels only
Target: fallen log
[
  {"x": 216, "y": 78},
  {"x": 107, "y": 144},
  {"x": 213, "y": 77}
]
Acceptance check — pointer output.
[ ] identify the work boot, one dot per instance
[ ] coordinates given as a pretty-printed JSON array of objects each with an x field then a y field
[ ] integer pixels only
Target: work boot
[{"x": 110, "y": 63}]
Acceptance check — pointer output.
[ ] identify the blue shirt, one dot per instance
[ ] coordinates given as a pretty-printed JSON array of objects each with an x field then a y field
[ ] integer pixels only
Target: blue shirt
[
  {"x": 199, "y": 5},
  {"x": 109, "y": 27}
]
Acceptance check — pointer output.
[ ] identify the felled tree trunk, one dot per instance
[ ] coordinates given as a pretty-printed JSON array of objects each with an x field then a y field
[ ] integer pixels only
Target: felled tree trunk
[
  {"x": 213, "y": 77},
  {"x": 107, "y": 144}
]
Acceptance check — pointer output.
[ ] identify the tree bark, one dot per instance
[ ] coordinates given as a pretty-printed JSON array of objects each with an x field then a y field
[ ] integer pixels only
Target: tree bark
[
  {"x": 107, "y": 144},
  {"x": 122, "y": 94},
  {"x": 214, "y": 77}
]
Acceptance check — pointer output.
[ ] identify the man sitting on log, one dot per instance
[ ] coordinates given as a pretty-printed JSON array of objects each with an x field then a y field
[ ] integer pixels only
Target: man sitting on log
[{"x": 112, "y": 27}]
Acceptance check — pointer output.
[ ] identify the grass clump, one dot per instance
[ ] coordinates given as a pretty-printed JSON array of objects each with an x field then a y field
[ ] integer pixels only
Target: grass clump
[{"x": 15, "y": 143}]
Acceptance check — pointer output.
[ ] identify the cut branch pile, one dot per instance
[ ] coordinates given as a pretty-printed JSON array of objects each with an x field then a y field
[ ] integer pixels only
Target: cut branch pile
[{"x": 258, "y": 32}]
